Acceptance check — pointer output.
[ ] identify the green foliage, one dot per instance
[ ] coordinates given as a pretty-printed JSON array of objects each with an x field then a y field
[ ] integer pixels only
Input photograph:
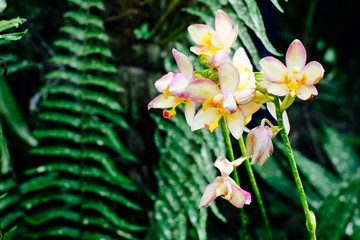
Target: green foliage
[
  {"x": 185, "y": 168},
  {"x": 328, "y": 194}
]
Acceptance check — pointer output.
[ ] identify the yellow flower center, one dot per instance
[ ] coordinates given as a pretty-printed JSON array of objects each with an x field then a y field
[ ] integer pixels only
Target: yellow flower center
[
  {"x": 294, "y": 79},
  {"x": 212, "y": 42}
]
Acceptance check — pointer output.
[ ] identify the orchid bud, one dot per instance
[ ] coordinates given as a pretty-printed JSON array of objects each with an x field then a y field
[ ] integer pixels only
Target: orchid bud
[
  {"x": 262, "y": 83},
  {"x": 259, "y": 144},
  {"x": 205, "y": 61}
]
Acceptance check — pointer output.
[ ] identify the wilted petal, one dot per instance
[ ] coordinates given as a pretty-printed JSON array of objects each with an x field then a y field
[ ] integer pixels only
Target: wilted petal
[
  {"x": 198, "y": 32},
  {"x": 304, "y": 92},
  {"x": 313, "y": 71},
  {"x": 162, "y": 83},
  {"x": 162, "y": 102},
  {"x": 225, "y": 167},
  {"x": 296, "y": 56},
  {"x": 189, "y": 111},
  {"x": 273, "y": 69},
  {"x": 228, "y": 77},
  {"x": 223, "y": 25},
  {"x": 209, "y": 194},
  {"x": 178, "y": 85},
  {"x": 235, "y": 122},
  {"x": 184, "y": 64},
  {"x": 219, "y": 58},
  {"x": 240, "y": 58},
  {"x": 239, "y": 197},
  {"x": 202, "y": 89},
  {"x": 259, "y": 144},
  {"x": 203, "y": 117},
  {"x": 278, "y": 89}
]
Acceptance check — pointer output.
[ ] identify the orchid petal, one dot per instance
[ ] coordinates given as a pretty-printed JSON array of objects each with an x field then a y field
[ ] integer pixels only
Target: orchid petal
[
  {"x": 244, "y": 95},
  {"x": 162, "y": 102},
  {"x": 203, "y": 117},
  {"x": 296, "y": 56},
  {"x": 235, "y": 122},
  {"x": 178, "y": 85},
  {"x": 162, "y": 83},
  {"x": 223, "y": 25},
  {"x": 231, "y": 38},
  {"x": 304, "y": 92},
  {"x": 313, "y": 71},
  {"x": 259, "y": 145},
  {"x": 220, "y": 57},
  {"x": 184, "y": 63},
  {"x": 273, "y": 69},
  {"x": 240, "y": 58},
  {"x": 209, "y": 194},
  {"x": 229, "y": 102},
  {"x": 198, "y": 32},
  {"x": 202, "y": 89},
  {"x": 225, "y": 166},
  {"x": 249, "y": 108},
  {"x": 189, "y": 111},
  {"x": 278, "y": 89},
  {"x": 228, "y": 77},
  {"x": 239, "y": 197},
  {"x": 272, "y": 110}
]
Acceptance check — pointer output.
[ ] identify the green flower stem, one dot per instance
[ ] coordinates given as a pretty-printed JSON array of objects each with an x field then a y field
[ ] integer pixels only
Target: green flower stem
[
  {"x": 255, "y": 188},
  {"x": 309, "y": 215},
  {"x": 230, "y": 153}
]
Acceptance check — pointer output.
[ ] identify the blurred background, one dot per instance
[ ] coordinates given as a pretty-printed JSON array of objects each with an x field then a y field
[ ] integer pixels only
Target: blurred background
[{"x": 83, "y": 158}]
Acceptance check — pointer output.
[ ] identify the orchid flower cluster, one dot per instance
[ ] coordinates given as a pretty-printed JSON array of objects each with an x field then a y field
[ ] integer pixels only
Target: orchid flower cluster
[{"x": 227, "y": 89}]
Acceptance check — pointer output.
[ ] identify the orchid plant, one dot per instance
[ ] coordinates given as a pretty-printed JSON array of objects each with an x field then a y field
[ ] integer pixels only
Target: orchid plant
[{"x": 230, "y": 95}]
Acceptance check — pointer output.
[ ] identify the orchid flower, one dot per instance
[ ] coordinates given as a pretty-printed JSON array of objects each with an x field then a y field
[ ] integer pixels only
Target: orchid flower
[
  {"x": 296, "y": 78},
  {"x": 220, "y": 102},
  {"x": 259, "y": 144},
  {"x": 172, "y": 87},
  {"x": 209, "y": 40},
  {"x": 225, "y": 187}
]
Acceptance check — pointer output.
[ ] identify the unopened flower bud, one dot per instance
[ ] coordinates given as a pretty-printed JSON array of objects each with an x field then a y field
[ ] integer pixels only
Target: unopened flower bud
[
  {"x": 262, "y": 98},
  {"x": 205, "y": 61},
  {"x": 259, "y": 144},
  {"x": 262, "y": 83}
]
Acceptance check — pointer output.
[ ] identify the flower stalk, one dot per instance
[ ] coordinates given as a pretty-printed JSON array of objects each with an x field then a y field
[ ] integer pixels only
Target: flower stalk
[
  {"x": 230, "y": 153},
  {"x": 255, "y": 188},
  {"x": 309, "y": 215}
]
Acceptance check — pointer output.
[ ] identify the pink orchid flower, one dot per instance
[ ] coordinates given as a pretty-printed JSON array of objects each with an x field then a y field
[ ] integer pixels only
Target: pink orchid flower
[
  {"x": 225, "y": 187},
  {"x": 209, "y": 40},
  {"x": 172, "y": 87},
  {"x": 259, "y": 144},
  {"x": 220, "y": 102},
  {"x": 296, "y": 78}
]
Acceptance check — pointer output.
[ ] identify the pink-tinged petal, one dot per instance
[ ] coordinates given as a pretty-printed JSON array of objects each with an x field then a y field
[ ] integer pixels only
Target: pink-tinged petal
[
  {"x": 305, "y": 92},
  {"x": 313, "y": 71},
  {"x": 249, "y": 108},
  {"x": 229, "y": 102},
  {"x": 209, "y": 194},
  {"x": 239, "y": 197},
  {"x": 162, "y": 83},
  {"x": 245, "y": 95},
  {"x": 223, "y": 25},
  {"x": 296, "y": 56},
  {"x": 278, "y": 89},
  {"x": 184, "y": 63},
  {"x": 202, "y": 89},
  {"x": 220, "y": 57},
  {"x": 197, "y": 32},
  {"x": 232, "y": 37},
  {"x": 235, "y": 123},
  {"x": 228, "y": 77},
  {"x": 162, "y": 102},
  {"x": 225, "y": 167},
  {"x": 240, "y": 58},
  {"x": 203, "y": 117},
  {"x": 178, "y": 85},
  {"x": 272, "y": 110},
  {"x": 273, "y": 69},
  {"x": 189, "y": 111}
]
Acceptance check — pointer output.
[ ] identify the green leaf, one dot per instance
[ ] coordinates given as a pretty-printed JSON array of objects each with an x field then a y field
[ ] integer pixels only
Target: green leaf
[
  {"x": 3, "y": 5},
  {"x": 82, "y": 35},
  {"x": 85, "y": 19},
  {"x": 343, "y": 157},
  {"x": 12, "y": 114},
  {"x": 13, "y": 36},
  {"x": 89, "y": 4},
  {"x": 79, "y": 50},
  {"x": 7, "y": 24}
]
